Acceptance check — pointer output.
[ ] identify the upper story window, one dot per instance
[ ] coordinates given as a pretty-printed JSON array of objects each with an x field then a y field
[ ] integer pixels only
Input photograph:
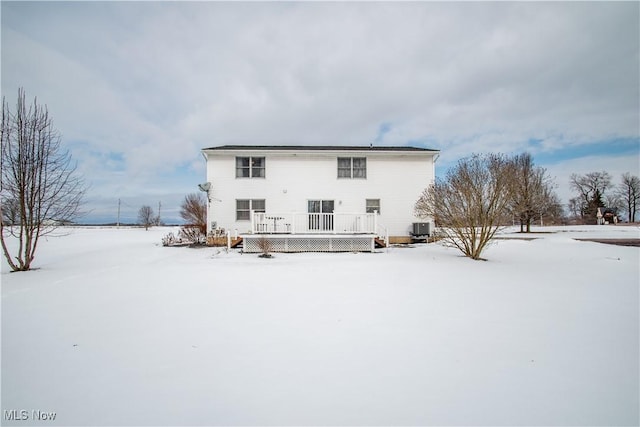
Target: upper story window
[
  {"x": 352, "y": 167},
  {"x": 250, "y": 167}
]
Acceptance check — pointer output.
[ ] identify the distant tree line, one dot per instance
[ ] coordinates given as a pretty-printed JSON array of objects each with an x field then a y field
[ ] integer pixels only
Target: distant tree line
[
  {"x": 483, "y": 192},
  {"x": 595, "y": 190},
  {"x": 193, "y": 210}
]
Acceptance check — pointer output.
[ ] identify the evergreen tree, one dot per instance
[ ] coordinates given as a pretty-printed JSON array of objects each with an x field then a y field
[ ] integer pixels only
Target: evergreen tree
[{"x": 591, "y": 213}]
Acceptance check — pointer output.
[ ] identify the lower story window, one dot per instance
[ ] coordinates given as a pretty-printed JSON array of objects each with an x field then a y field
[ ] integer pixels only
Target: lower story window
[
  {"x": 373, "y": 205},
  {"x": 245, "y": 206}
]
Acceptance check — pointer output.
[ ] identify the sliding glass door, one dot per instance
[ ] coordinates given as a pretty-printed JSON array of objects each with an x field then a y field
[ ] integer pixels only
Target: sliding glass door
[{"x": 321, "y": 215}]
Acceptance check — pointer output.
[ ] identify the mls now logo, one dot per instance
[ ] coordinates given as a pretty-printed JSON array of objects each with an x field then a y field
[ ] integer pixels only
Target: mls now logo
[
  {"x": 16, "y": 415},
  {"x": 24, "y": 415}
]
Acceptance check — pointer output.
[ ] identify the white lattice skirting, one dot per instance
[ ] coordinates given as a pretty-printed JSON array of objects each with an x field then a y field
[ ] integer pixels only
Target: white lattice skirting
[{"x": 296, "y": 243}]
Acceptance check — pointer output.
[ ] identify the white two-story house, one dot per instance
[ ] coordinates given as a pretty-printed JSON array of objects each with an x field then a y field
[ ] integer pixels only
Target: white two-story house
[{"x": 326, "y": 198}]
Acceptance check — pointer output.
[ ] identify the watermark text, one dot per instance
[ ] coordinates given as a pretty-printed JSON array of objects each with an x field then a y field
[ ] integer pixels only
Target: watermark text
[{"x": 28, "y": 415}]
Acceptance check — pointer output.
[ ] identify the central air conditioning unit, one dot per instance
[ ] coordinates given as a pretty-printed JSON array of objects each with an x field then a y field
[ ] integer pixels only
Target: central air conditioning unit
[{"x": 421, "y": 229}]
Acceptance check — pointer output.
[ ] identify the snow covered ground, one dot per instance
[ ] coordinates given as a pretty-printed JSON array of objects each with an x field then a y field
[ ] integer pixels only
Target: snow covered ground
[{"x": 114, "y": 329}]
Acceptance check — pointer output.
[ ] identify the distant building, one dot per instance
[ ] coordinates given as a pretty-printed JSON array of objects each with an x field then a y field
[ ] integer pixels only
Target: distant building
[{"x": 606, "y": 216}]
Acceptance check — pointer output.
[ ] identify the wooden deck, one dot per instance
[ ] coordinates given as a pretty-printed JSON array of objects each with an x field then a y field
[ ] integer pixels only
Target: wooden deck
[{"x": 313, "y": 232}]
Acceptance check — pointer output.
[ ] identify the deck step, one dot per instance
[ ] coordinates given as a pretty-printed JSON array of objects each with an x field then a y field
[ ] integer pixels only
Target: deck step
[
  {"x": 380, "y": 243},
  {"x": 236, "y": 242}
]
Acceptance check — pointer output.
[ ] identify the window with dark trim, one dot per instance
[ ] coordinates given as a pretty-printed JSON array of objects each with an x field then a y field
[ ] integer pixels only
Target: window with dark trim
[
  {"x": 250, "y": 167},
  {"x": 245, "y": 206},
  {"x": 373, "y": 205},
  {"x": 344, "y": 167},
  {"x": 352, "y": 167}
]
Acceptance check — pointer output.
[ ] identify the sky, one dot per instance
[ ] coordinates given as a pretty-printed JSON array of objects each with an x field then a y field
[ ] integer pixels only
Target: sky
[{"x": 137, "y": 89}]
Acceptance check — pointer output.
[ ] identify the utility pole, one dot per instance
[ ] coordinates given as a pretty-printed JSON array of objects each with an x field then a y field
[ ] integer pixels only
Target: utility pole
[
  {"x": 118, "y": 222},
  {"x": 159, "y": 206}
]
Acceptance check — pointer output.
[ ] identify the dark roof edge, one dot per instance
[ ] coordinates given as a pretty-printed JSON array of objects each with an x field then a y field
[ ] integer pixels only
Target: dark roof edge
[{"x": 320, "y": 148}]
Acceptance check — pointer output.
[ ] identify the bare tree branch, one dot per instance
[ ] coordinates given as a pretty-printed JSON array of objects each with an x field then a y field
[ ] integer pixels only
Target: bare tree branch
[
  {"x": 193, "y": 211},
  {"x": 39, "y": 186},
  {"x": 629, "y": 193},
  {"x": 591, "y": 188},
  {"x": 532, "y": 192},
  {"x": 146, "y": 217},
  {"x": 470, "y": 203}
]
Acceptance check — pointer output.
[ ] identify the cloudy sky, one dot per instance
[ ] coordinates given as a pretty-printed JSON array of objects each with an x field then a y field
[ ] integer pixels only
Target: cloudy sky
[{"x": 138, "y": 88}]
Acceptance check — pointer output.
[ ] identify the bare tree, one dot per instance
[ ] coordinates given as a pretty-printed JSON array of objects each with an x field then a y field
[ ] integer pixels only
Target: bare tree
[
  {"x": 470, "y": 203},
  {"x": 550, "y": 210},
  {"x": 629, "y": 192},
  {"x": 614, "y": 202},
  {"x": 591, "y": 189},
  {"x": 193, "y": 211},
  {"x": 146, "y": 217},
  {"x": 39, "y": 186},
  {"x": 265, "y": 247},
  {"x": 10, "y": 212},
  {"x": 576, "y": 207},
  {"x": 532, "y": 191}
]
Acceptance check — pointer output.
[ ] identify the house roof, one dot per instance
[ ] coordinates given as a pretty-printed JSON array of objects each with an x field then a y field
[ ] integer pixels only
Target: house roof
[
  {"x": 605, "y": 210},
  {"x": 319, "y": 148}
]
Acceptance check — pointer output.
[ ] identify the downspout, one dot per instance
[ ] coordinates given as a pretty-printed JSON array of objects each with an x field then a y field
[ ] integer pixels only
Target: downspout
[
  {"x": 433, "y": 228},
  {"x": 206, "y": 168}
]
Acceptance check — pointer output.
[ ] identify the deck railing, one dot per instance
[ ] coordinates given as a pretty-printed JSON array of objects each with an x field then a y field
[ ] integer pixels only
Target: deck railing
[{"x": 313, "y": 223}]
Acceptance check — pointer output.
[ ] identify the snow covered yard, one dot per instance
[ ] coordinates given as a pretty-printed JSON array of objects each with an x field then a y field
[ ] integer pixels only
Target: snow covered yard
[{"x": 114, "y": 329}]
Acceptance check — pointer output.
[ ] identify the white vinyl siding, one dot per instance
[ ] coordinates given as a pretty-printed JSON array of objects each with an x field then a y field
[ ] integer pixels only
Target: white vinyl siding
[{"x": 296, "y": 177}]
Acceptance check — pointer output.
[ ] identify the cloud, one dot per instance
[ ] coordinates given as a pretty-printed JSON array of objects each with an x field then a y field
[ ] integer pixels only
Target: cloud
[
  {"x": 312, "y": 72},
  {"x": 153, "y": 82}
]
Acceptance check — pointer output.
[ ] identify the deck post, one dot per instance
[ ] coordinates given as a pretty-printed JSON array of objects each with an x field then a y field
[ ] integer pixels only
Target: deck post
[
  {"x": 228, "y": 240},
  {"x": 332, "y": 218},
  {"x": 253, "y": 221},
  {"x": 375, "y": 221}
]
